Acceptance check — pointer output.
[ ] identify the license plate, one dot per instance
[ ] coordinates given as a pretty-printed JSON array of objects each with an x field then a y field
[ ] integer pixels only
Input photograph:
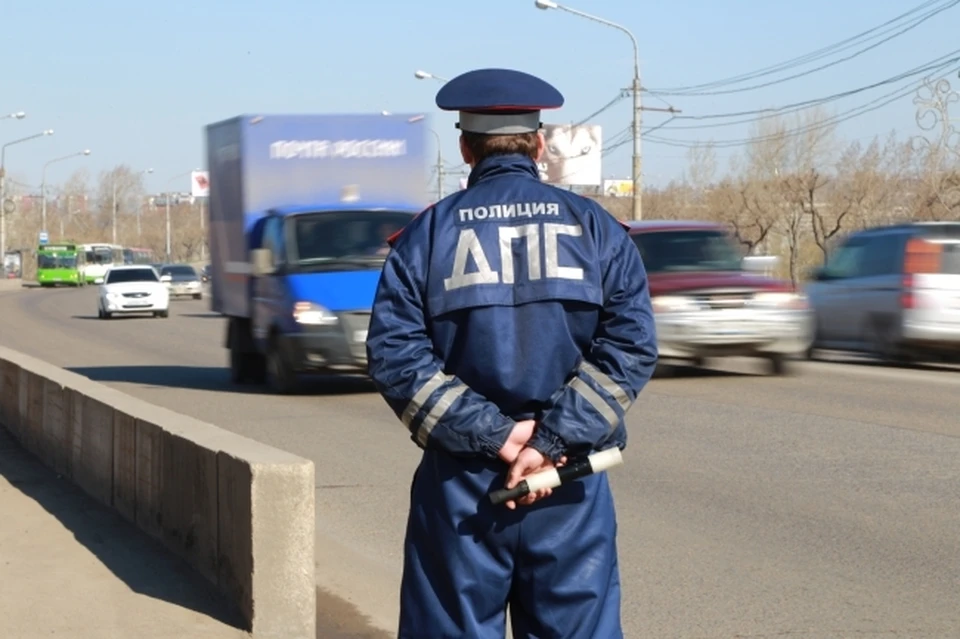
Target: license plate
[
  {"x": 360, "y": 336},
  {"x": 722, "y": 330}
]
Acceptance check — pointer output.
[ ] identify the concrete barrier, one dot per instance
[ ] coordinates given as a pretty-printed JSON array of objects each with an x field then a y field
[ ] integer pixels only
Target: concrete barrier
[{"x": 240, "y": 512}]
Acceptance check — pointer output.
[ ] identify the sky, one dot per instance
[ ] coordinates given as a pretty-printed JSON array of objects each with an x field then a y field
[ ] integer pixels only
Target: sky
[{"x": 136, "y": 82}]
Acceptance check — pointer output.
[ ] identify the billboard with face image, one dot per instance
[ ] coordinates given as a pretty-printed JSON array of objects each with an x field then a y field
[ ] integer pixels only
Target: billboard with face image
[{"x": 572, "y": 155}]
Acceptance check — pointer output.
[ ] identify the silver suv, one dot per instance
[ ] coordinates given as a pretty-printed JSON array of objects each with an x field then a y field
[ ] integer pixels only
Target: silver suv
[{"x": 893, "y": 292}]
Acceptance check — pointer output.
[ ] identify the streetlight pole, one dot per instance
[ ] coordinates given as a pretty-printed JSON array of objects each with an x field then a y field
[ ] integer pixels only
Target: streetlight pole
[
  {"x": 3, "y": 192},
  {"x": 440, "y": 172},
  {"x": 637, "y": 108},
  {"x": 43, "y": 186},
  {"x": 19, "y": 115}
]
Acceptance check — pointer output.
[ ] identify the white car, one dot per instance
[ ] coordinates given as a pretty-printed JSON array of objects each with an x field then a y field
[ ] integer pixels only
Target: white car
[{"x": 133, "y": 289}]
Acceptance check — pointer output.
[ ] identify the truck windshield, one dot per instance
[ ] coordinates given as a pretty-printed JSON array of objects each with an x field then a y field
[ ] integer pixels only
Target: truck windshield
[
  {"x": 332, "y": 239},
  {"x": 687, "y": 250}
]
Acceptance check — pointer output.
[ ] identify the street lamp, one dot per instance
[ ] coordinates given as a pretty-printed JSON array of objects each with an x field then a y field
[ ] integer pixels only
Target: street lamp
[
  {"x": 167, "y": 202},
  {"x": 637, "y": 165},
  {"x": 423, "y": 75},
  {"x": 3, "y": 181},
  {"x": 419, "y": 118},
  {"x": 43, "y": 186},
  {"x": 19, "y": 115}
]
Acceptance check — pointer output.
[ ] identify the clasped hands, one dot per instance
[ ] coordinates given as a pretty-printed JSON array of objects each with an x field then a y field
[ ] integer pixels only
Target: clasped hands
[{"x": 525, "y": 461}]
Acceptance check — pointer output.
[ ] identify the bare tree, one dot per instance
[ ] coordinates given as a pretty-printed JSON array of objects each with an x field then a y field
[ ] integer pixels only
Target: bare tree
[{"x": 120, "y": 191}]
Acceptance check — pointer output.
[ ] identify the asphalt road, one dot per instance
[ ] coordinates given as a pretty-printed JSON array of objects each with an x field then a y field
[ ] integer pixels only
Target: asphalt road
[{"x": 823, "y": 505}]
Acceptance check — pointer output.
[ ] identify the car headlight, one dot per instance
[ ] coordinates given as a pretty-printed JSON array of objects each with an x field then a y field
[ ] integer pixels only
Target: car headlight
[
  {"x": 674, "y": 304},
  {"x": 792, "y": 301},
  {"x": 313, "y": 314}
]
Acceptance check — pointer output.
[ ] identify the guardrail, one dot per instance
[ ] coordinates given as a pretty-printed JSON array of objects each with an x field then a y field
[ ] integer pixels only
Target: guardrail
[{"x": 240, "y": 512}]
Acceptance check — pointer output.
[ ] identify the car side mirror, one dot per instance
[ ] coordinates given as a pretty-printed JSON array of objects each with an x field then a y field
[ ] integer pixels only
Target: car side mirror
[
  {"x": 262, "y": 262},
  {"x": 166, "y": 278}
]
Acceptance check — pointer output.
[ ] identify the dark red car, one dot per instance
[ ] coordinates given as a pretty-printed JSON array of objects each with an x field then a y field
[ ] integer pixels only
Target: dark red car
[{"x": 709, "y": 302}]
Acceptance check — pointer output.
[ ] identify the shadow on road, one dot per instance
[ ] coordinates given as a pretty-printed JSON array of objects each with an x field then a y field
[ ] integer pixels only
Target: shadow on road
[
  {"x": 115, "y": 318},
  {"x": 144, "y": 565},
  {"x": 869, "y": 361},
  {"x": 669, "y": 371},
  {"x": 339, "y": 619},
  {"x": 209, "y": 378}
]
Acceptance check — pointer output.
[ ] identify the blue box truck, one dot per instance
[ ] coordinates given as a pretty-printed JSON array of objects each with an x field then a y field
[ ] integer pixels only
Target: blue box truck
[{"x": 300, "y": 209}]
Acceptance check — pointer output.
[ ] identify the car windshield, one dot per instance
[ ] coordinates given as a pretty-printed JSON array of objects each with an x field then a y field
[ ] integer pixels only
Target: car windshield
[
  {"x": 351, "y": 237},
  {"x": 179, "y": 271},
  {"x": 120, "y": 276},
  {"x": 687, "y": 250}
]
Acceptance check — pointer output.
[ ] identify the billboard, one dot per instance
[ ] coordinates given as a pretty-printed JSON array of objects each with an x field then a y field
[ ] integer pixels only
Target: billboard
[
  {"x": 572, "y": 155},
  {"x": 618, "y": 188},
  {"x": 200, "y": 183}
]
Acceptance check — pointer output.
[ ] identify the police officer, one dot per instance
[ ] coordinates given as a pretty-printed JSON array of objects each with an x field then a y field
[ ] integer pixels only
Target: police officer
[{"x": 512, "y": 329}]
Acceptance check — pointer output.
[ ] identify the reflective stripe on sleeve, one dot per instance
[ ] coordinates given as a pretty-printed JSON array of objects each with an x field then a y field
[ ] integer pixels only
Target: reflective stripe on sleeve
[
  {"x": 606, "y": 383},
  {"x": 422, "y": 396},
  {"x": 593, "y": 397},
  {"x": 438, "y": 411}
]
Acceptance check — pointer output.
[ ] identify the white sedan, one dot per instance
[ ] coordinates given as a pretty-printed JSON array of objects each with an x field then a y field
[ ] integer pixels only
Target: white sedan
[{"x": 133, "y": 289}]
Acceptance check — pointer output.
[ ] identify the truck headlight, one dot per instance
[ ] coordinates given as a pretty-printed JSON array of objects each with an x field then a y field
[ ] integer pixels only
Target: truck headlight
[{"x": 312, "y": 314}]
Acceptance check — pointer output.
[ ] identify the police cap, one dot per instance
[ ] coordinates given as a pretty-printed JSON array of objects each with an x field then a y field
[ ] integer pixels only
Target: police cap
[{"x": 498, "y": 101}]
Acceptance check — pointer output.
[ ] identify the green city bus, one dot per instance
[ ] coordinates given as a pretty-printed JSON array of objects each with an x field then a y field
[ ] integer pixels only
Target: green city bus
[{"x": 60, "y": 265}]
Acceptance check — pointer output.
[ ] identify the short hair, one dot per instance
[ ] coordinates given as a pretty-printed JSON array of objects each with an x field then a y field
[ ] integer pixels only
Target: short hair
[{"x": 483, "y": 146}]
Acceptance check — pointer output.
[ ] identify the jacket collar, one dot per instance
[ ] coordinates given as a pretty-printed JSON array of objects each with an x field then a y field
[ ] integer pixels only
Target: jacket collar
[{"x": 496, "y": 165}]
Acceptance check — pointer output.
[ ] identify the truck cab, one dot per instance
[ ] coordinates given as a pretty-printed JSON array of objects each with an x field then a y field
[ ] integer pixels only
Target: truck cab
[{"x": 315, "y": 272}]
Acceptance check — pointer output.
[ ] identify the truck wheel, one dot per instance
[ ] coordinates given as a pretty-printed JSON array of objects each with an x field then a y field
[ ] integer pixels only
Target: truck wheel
[
  {"x": 280, "y": 375},
  {"x": 238, "y": 365}
]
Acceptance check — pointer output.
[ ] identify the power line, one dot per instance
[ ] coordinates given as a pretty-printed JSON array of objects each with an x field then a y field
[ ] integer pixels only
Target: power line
[
  {"x": 798, "y": 61},
  {"x": 873, "y": 105},
  {"x": 931, "y": 66},
  {"x": 834, "y": 63}
]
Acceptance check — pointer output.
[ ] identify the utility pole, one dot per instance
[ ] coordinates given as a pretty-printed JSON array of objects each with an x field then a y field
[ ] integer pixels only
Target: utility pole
[
  {"x": 167, "y": 198},
  {"x": 114, "y": 209},
  {"x": 440, "y": 175},
  {"x": 637, "y": 157}
]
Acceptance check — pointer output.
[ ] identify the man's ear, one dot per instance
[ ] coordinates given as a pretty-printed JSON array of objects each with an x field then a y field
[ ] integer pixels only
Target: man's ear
[
  {"x": 465, "y": 153},
  {"x": 541, "y": 146}
]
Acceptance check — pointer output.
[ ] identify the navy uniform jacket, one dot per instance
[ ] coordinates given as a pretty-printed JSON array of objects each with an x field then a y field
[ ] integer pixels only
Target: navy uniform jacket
[{"x": 511, "y": 300}]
